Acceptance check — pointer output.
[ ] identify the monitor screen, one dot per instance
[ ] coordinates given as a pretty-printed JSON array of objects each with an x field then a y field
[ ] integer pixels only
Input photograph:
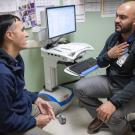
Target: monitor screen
[{"x": 60, "y": 20}]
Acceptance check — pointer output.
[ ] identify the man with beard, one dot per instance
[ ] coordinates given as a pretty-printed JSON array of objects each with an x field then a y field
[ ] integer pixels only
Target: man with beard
[{"x": 118, "y": 85}]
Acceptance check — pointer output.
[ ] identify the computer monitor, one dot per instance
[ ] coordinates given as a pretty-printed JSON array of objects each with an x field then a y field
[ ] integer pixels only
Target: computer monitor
[{"x": 60, "y": 20}]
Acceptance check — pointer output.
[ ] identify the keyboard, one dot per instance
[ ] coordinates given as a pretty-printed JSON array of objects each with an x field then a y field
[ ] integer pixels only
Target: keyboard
[{"x": 84, "y": 66}]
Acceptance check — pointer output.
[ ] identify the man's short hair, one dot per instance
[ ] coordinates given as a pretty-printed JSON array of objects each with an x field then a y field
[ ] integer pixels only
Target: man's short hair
[{"x": 6, "y": 21}]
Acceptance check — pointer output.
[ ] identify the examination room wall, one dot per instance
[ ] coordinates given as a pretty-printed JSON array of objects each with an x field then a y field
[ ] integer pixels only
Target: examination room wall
[{"x": 94, "y": 31}]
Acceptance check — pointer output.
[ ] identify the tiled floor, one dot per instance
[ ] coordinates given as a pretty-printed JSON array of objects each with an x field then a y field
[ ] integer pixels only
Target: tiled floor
[{"x": 76, "y": 124}]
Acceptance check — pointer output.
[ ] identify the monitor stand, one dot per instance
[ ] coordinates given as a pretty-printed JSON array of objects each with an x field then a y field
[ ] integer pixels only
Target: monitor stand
[
  {"x": 53, "y": 43},
  {"x": 49, "y": 45}
]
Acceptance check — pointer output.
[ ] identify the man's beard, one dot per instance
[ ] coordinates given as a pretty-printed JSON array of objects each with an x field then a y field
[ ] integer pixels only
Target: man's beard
[{"x": 125, "y": 29}]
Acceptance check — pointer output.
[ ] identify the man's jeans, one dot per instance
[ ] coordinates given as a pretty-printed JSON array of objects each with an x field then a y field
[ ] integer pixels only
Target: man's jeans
[{"x": 89, "y": 90}]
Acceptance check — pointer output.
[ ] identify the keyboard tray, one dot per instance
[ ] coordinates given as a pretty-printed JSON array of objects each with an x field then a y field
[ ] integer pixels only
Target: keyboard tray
[{"x": 84, "y": 67}]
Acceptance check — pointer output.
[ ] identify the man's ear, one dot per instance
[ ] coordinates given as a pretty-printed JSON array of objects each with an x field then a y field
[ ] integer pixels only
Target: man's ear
[{"x": 9, "y": 35}]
